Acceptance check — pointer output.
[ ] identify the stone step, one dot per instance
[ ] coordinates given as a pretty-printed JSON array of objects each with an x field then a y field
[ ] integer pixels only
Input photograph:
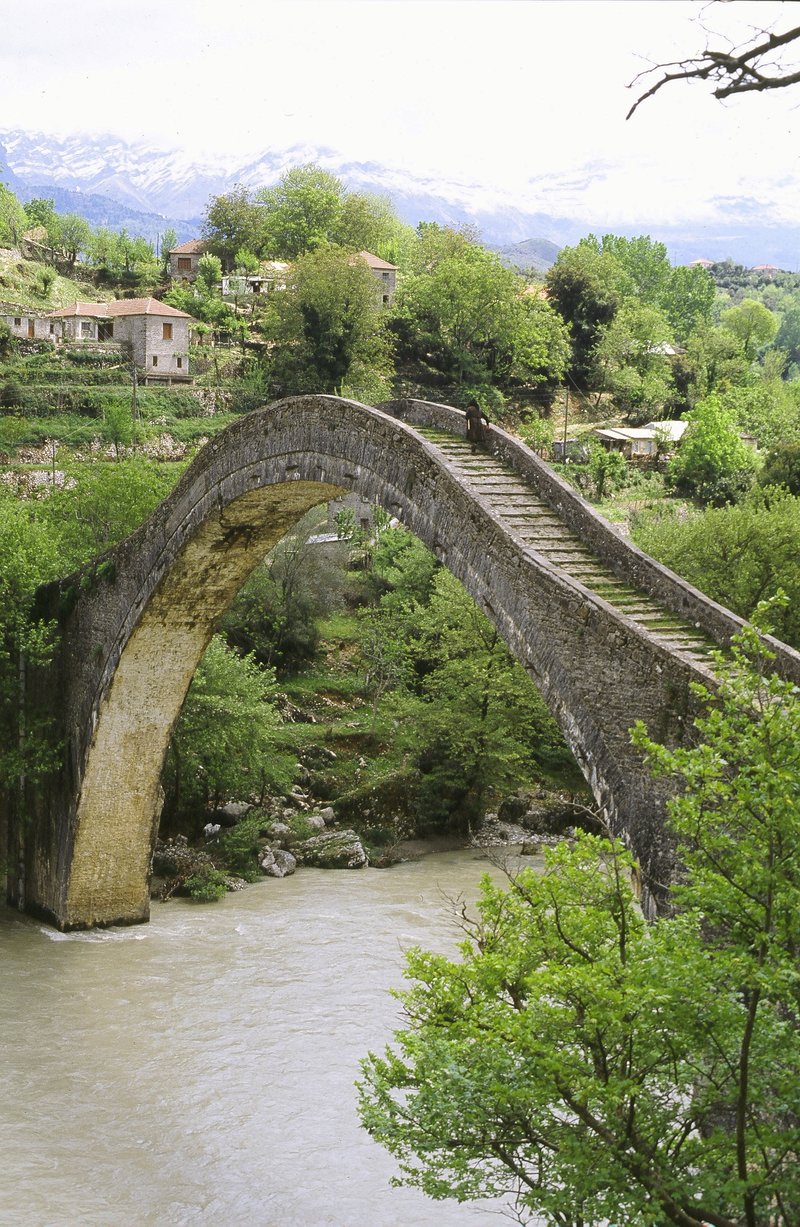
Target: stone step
[{"x": 542, "y": 530}]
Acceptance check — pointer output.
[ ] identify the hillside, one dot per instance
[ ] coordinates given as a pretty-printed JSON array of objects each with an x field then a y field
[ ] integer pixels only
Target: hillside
[{"x": 30, "y": 285}]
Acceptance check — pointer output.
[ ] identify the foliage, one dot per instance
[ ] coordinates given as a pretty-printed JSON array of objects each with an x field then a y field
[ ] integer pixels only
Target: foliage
[
  {"x": 782, "y": 466},
  {"x": 752, "y": 324},
  {"x": 326, "y": 326},
  {"x": 470, "y": 721},
  {"x": 586, "y": 287},
  {"x": 225, "y": 743},
  {"x": 274, "y": 616},
  {"x": 13, "y": 219},
  {"x": 207, "y": 885},
  {"x": 101, "y": 505},
  {"x": 713, "y": 463},
  {"x": 601, "y": 1069},
  {"x": 301, "y": 211},
  {"x": 631, "y": 355},
  {"x": 738, "y": 555},
  {"x": 462, "y": 313},
  {"x": 28, "y": 559}
]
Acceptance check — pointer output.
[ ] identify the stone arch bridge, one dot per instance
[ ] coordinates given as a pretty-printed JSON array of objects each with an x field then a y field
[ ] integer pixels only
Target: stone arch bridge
[{"x": 607, "y": 634}]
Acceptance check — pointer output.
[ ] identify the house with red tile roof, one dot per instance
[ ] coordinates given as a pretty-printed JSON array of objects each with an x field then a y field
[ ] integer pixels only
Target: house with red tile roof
[
  {"x": 184, "y": 260},
  {"x": 158, "y": 335}
]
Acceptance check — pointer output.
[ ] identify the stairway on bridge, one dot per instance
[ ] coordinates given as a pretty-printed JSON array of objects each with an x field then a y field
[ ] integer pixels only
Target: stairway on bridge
[{"x": 538, "y": 526}]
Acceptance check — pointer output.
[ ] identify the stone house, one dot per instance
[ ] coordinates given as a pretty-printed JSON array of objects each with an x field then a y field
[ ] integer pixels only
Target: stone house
[
  {"x": 184, "y": 260},
  {"x": 385, "y": 274},
  {"x": 157, "y": 334},
  {"x": 27, "y": 325}
]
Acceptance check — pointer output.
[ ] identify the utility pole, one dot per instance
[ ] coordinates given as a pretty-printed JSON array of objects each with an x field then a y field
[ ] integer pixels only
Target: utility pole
[{"x": 566, "y": 416}]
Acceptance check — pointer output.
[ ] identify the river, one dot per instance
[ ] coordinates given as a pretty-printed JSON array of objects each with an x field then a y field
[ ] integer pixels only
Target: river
[{"x": 199, "y": 1069}]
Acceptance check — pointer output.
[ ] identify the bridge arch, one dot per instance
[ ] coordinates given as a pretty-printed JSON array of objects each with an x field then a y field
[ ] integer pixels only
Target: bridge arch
[{"x": 136, "y": 623}]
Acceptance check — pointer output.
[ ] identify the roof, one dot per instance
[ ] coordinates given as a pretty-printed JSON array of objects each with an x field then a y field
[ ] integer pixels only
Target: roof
[
  {"x": 192, "y": 248},
  {"x": 705, "y": 263},
  {"x": 671, "y": 430},
  {"x": 376, "y": 261},
  {"x": 119, "y": 306}
]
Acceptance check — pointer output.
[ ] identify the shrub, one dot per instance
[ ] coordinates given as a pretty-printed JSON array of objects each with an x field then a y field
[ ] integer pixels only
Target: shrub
[{"x": 207, "y": 885}]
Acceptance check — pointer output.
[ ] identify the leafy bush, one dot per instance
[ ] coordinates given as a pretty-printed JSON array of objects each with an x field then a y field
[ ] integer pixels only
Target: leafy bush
[{"x": 207, "y": 885}]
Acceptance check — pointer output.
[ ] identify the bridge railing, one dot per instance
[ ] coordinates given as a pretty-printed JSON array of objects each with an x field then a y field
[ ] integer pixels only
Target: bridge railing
[{"x": 627, "y": 561}]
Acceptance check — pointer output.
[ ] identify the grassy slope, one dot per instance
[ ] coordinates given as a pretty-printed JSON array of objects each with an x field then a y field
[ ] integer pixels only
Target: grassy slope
[{"x": 22, "y": 284}]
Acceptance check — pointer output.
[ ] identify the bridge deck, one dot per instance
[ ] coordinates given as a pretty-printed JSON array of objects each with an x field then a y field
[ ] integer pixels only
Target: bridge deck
[{"x": 540, "y": 528}]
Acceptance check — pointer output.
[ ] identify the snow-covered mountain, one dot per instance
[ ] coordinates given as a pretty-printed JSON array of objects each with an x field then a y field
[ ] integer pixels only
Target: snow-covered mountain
[{"x": 114, "y": 182}]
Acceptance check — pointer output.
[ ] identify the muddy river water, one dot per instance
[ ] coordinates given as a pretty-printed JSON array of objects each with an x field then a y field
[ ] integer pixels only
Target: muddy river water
[{"x": 200, "y": 1069}]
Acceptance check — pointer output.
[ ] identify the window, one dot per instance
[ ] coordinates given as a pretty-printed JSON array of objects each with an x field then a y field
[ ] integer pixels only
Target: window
[
  {"x": 386, "y": 277},
  {"x": 180, "y": 363},
  {"x": 166, "y": 332},
  {"x": 155, "y": 360},
  {"x": 86, "y": 328},
  {"x": 184, "y": 264},
  {"x": 17, "y": 321},
  {"x": 52, "y": 329}
]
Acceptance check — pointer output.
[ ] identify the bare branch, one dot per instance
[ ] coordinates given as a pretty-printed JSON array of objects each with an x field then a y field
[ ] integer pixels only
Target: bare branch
[{"x": 733, "y": 71}]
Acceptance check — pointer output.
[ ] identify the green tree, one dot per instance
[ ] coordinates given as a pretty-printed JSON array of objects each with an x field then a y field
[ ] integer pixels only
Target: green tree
[
  {"x": 465, "y": 315},
  {"x": 327, "y": 328},
  {"x": 687, "y": 300},
  {"x": 713, "y": 463},
  {"x": 598, "y": 1068},
  {"x": 74, "y": 236},
  {"x": 586, "y": 287},
  {"x": 29, "y": 558},
  {"x": 368, "y": 223},
  {"x": 102, "y": 505},
  {"x": 782, "y": 466},
  {"x": 738, "y": 555},
  {"x": 302, "y": 211},
  {"x": 631, "y": 354},
  {"x": 13, "y": 218},
  {"x": 233, "y": 221},
  {"x": 752, "y": 323},
  {"x": 209, "y": 275},
  {"x": 226, "y": 743}
]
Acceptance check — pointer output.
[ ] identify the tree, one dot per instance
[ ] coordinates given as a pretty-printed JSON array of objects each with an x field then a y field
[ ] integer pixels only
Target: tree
[
  {"x": 75, "y": 236},
  {"x": 327, "y": 328},
  {"x": 738, "y": 555},
  {"x": 232, "y": 221},
  {"x": 752, "y": 323},
  {"x": 368, "y": 223},
  {"x": 209, "y": 274},
  {"x": 13, "y": 219},
  {"x": 782, "y": 466},
  {"x": 713, "y": 462},
  {"x": 301, "y": 212},
  {"x": 586, "y": 287},
  {"x": 226, "y": 742},
  {"x": 687, "y": 300},
  {"x": 598, "y": 1068},
  {"x": 466, "y": 316},
  {"x": 103, "y": 505},
  {"x": 731, "y": 69},
  {"x": 631, "y": 353}
]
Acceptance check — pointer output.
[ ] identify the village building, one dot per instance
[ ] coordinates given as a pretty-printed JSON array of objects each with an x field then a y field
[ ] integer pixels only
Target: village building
[
  {"x": 642, "y": 442},
  {"x": 27, "y": 325},
  {"x": 384, "y": 273},
  {"x": 184, "y": 260},
  {"x": 158, "y": 335},
  {"x": 271, "y": 276}
]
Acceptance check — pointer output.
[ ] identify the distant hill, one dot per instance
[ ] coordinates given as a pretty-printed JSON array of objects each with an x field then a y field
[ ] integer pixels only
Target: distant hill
[{"x": 534, "y": 256}]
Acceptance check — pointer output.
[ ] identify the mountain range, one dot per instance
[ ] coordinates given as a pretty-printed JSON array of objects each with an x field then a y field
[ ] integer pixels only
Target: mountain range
[{"x": 145, "y": 189}]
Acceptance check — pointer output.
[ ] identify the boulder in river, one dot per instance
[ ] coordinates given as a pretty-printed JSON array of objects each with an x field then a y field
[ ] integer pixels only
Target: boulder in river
[{"x": 332, "y": 850}]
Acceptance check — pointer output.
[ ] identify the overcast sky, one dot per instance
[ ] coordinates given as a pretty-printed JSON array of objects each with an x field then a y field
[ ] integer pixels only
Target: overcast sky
[{"x": 525, "y": 96}]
